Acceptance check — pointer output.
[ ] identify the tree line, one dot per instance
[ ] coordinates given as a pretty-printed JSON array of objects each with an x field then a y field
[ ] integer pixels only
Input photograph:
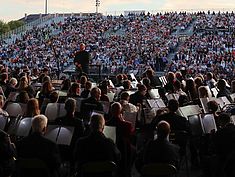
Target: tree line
[{"x": 5, "y": 27}]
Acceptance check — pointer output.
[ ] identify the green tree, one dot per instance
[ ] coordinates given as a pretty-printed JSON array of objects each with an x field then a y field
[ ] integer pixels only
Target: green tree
[
  {"x": 15, "y": 24},
  {"x": 4, "y": 27}
]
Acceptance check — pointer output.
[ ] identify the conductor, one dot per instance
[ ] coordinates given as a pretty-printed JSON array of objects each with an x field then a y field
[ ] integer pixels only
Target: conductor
[{"x": 81, "y": 60}]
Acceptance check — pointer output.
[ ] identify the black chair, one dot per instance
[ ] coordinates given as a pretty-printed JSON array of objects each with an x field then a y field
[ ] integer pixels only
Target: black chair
[
  {"x": 31, "y": 167},
  {"x": 3, "y": 122},
  {"x": 158, "y": 170},
  {"x": 99, "y": 169},
  {"x": 181, "y": 138}
]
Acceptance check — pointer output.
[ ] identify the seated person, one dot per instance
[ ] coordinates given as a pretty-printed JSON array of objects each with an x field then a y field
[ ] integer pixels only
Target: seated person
[
  {"x": 159, "y": 150},
  {"x": 213, "y": 109},
  {"x": 126, "y": 87},
  {"x": 224, "y": 141},
  {"x": 126, "y": 106},
  {"x": 7, "y": 154},
  {"x": 2, "y": 112},
  {"x": 71, "y": 120},
  {"x": 104, "y": 91},
  {"x": 86, "y": 92},
  {"x": 74, "y": 90},
  {"x": 95, "y": 146},
  {"x": 177, "y": 123},
  {"x": 154, "y": 81},
  {"x": 223, "y": 91},
  {"x": 37, "y": 146},
  {"x": 138, "y": 97},
  {"x": 124, "y": 132},
  {"x": 53, "y": 98},
  {"x": 90, "y": 104}
]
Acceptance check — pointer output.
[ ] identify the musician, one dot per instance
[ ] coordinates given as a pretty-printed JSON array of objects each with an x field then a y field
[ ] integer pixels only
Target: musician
[{"x": 81, "y": 60}]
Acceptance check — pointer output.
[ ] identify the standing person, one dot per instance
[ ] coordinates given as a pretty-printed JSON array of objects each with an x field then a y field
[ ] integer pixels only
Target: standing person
[{"x": 81, "y": 60}]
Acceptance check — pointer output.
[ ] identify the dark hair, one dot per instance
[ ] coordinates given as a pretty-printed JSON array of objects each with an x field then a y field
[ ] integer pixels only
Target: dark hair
[
  {"x": 224, "y": 119},
  {"x": 163, "y": 129},
  {"x": 212, "y": 106},
  {"x": 173, "y": 105}
]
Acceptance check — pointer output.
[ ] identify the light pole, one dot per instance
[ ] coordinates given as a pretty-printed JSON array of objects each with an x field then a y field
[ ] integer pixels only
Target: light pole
[
  {"x": 45, "y": 6},
  {"x": 97, "y": 4}
]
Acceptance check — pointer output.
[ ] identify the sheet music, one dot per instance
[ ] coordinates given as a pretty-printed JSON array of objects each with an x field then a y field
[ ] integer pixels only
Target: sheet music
[
  {"x": 208, "y": 123},
  {"x": 214, "y": 91},
  {"x": 78, "y": 105},
  {"x": 134, "y": 84},
  {"x": 149, "y": 114},
  {"x": 65, "y": 135},
  {"x": 106, "y": 106},
  {"x": 111, "y": 84},
  {"x": 24, "y": 127},
  {"x": 195, "y": 125},
  {"x": 110, "y": 132},
  {"x": 171, "y": 96},
  {"x": 160, "y": 103},
  {"x": 133, "y": 77},
  {"x": 222, "y": 101},
  {"x": 233, "y": 119},
  {"x": 93, "y": 85},
  {"x": 130, "y": 92},
  {"x": 190, "y": 110},
  {"x": 204, "y": 102},
  {"x": 96, "y": 113},
  {"x": 61, "y": 93},
  {"x": 152, "y": 103},
  {"x": 131, "y": 117},
  {"x": 232, "y": 96},
  {"x": 153, "y": 93},
  {"x": 52, "y": 132},
  {"x": 110, "y": 96}
]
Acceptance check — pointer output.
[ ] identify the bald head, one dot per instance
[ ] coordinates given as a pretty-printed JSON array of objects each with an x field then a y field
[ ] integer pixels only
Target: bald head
[
  {"x": 82, "y": 46},
  {"x": 97, "y": 123},
  {"x": 163, "y": 129},
  {"x": 116, "y": 109}
]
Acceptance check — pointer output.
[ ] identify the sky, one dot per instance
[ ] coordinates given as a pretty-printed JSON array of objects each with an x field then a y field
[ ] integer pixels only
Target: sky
[{"x": 16, "y": 9}]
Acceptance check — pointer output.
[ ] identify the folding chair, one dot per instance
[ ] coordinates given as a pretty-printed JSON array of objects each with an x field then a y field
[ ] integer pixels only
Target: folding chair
[
  {"x": 14, "y": 109},
  {"x": 181, "y": 138},
  {"x": 31, "y": 167},
  {"x": 158, "y": 170},
  {"x": 54, "y": 110},
  {"x": 99, "y": 169}
]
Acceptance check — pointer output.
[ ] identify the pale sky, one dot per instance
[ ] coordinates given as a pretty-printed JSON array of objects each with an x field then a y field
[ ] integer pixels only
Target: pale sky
[{"x": 15, "y": 9}]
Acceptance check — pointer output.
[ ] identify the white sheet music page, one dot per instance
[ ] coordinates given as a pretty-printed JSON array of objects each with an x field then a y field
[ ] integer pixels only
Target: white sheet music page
[
  {"x": 110, "y": 132},
  {"x": 208, "y": 123}
]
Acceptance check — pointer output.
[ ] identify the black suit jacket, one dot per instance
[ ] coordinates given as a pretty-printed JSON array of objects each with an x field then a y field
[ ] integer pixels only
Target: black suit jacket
[
  {"x": 83, "y": 58},
  {"x": 95, "y": 147},
  {"x": 137, "y": 98},
  {"x": 161, "y": 151},
  {"x": 37, "y": 146},
  {"x": 224, "y": 140},
  {"x": 177, "y": 123},
  {"x": 88, "y": 105}
]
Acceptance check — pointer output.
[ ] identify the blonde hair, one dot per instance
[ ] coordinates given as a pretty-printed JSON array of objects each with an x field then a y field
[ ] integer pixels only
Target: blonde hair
[{"x": 39, "y": 123}]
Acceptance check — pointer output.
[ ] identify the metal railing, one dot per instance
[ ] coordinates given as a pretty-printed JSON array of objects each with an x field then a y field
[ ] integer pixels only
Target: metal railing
[{"x": 25, "y": 27}]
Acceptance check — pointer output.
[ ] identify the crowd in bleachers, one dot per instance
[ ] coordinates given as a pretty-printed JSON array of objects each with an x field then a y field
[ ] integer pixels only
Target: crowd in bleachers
[
  {"x": 77, "y": 113},
  {"x": 147, "y": 40},
  {"x": 209, "y": 50}
]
